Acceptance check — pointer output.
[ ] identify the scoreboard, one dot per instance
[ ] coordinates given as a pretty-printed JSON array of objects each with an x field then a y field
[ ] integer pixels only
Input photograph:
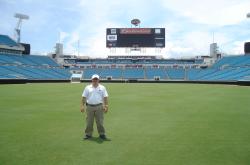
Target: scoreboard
[{"x": 135, "y": 37}]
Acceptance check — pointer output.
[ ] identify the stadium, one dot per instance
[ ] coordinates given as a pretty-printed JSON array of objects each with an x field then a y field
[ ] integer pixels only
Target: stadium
[
  {"x": 192, "y": 110},
  {"x": 15, "y": 67}
]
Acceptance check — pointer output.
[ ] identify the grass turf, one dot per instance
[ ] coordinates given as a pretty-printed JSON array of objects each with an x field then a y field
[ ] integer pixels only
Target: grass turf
[{"x": 147, "y": 123}]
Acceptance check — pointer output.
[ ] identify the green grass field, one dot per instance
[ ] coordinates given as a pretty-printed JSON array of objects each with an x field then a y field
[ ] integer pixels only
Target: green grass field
[{"x": 173, "y": 124}]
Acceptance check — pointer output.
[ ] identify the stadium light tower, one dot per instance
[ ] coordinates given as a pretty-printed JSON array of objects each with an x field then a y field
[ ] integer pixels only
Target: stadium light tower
[{"x": 20, "y": 17}]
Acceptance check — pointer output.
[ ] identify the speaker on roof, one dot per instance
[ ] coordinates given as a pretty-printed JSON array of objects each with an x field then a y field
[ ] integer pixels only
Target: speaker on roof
[
  {"x": 247, "y": 47},
  {"x": 26, "y": 48}
]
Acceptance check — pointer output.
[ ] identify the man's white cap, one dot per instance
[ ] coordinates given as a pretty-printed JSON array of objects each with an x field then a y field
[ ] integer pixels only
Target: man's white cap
[{"x": 95, "y": 76}]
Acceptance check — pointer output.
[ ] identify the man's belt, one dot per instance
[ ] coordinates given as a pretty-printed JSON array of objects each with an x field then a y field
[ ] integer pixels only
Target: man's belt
[{"x": 93, "y": 105}]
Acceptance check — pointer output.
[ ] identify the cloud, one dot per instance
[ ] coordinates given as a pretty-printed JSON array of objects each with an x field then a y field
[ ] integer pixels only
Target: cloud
[
  {"x": 71, "y": 47},
  {"x": 238, "y": 47},
  {"x": 189, "y": 24},
  {"x": 193, "y": 43},
  {"x": 62, "y": 36},
  {"x": 215, "y": 12}
]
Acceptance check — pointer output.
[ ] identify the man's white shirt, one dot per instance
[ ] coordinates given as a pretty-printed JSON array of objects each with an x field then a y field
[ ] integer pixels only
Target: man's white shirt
[{"x": 95, "y": 95}]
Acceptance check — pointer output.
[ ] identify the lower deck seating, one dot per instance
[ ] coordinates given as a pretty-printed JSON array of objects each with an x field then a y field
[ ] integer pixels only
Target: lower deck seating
[
  {"x": 133, "y": 73},
  {"x": 44, "y": 68},
  {"x": 211, "y": 74},
  {"x": 33, "y": 73},
  {"x": 151, "y": 73},
  {"x": 31, "y": 67},
  {"x": 176, "y": 73}
]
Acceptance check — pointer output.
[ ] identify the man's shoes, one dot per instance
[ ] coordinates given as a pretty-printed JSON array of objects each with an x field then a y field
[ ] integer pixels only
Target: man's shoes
[
  {"x": 103, "y": 137},
  {"x": 87, "y": 137}
]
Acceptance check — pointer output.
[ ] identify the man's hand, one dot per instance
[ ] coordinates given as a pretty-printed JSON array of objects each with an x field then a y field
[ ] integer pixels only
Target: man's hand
[
  {"x": 83, "y": 101},
  {"x": 105, "y": 108},
  {"x": 82, "y": 109}
]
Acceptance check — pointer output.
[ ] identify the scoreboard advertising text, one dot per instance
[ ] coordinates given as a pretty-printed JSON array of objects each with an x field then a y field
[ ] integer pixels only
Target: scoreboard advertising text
[{"x": 135, "y": 37}]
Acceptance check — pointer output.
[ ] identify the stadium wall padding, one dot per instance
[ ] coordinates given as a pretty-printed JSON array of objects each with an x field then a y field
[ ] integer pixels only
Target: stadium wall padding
[
  {"x": 23, "y": 81},
  {"x": 245, "y": 83}
]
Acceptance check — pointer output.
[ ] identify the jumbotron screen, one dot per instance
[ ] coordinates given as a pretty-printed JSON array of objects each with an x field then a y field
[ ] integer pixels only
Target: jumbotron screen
[{"x": 135, "y": 37}]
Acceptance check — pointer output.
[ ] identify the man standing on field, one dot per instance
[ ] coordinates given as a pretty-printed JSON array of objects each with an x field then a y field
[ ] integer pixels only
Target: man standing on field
[{"x": 95, "y": 97}]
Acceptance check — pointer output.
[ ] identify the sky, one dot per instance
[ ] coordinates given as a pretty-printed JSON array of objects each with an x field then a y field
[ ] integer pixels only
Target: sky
[{"x": 189, "y": 24}]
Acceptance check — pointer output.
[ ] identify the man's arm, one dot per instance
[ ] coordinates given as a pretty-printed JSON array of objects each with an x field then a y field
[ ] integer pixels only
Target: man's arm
[
  {"x": 83, "y": 102},
  {"x": 105, "y": 99}
]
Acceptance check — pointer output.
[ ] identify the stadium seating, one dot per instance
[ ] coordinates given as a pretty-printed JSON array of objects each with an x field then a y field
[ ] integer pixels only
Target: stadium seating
[
  {"x": 133, "y": 61},
  {"x": 198, "y": 74},
  {"x": 115, "y": 73},
  {"x": 6, "y": 40},
  {"x": 31, "y": 67},
  {"x": 104, "y": 73},
  {"x": 27, "y": 60},
  {"x": 192, "y": 74},
  {"x": 176, "y": 74},
  {"x": 229, "y": 68},
  {"x": 151, "y": 73},
  {"x": 133, "y": 73},
  {"x": 247, "y": 78},
  {"x": 89, "y": 72},
  {"x": 233, "y": 61}
]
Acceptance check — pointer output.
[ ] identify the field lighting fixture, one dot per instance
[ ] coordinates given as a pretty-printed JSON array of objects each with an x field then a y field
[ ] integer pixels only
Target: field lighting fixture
[{"x": 20, "y": 17}]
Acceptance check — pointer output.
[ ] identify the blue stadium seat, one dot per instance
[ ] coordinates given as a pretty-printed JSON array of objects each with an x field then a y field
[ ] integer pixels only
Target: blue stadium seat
[
  {"x": 6, "y": 40},
  {"x": 233, "y": 61},
  {"x": 87, "y": 73},
  {"x": 133, "y": 73},
  {"x": 176, "y": 74},
  {"x": 31, "y": 67},
  {"x": 229, "y": 68},
  {"x": 115, "y": 73},
  {"x": 156, "y": 72}
]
